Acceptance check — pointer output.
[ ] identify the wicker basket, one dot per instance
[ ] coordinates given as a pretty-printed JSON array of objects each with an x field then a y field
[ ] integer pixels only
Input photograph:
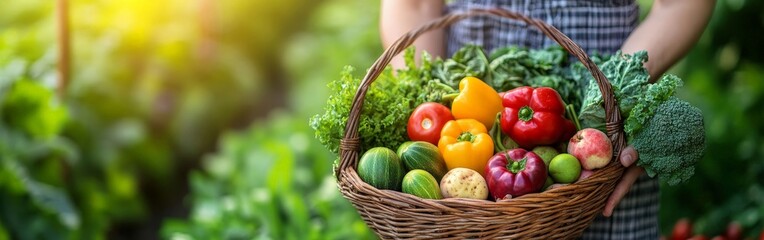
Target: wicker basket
[{"x": 561, "y": 213}]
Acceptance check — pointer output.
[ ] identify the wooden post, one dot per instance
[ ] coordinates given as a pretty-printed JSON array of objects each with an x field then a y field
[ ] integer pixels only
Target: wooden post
[
  {"x": 62, "y": 27},
  {"x": 207, "y": 23}
]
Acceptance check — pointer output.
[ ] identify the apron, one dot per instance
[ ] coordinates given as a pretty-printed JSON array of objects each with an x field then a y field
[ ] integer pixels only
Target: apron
[{"x": 598, "y": 27}]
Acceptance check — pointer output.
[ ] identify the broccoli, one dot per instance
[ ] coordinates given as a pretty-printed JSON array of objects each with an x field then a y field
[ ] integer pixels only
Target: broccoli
[
  {"x": 667, "y": 132},
  {"x": 671, "y": 141}
]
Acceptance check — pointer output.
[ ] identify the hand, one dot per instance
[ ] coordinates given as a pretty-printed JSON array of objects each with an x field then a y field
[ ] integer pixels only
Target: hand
[{"x": 628, "y": 157}]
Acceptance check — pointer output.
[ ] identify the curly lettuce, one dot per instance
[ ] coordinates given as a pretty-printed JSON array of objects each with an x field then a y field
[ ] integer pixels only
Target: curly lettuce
[{"x": 387, "y": 105}]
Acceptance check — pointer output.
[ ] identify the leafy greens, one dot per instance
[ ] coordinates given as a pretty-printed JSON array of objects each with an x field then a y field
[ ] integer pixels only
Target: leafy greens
[
  {"x": 386, "y": 109},
  {"x": 392, "y": 97},
  {"x": 668, "y": 133}
]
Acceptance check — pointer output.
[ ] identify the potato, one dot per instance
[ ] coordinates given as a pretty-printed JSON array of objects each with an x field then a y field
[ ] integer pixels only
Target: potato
[{"x": 463, "y": 183}]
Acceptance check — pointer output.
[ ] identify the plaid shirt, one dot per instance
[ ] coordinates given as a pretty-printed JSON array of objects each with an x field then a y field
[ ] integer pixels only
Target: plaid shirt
[{"x": 597, "y": 26}]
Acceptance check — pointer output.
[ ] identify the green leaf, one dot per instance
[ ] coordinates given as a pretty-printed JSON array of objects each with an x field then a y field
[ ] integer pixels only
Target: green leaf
[
  {"x": 56, "y": 201},
  {"x": 3, "y": 233},
  {"x": 29, "y": 106},
  {"x": 45, "y": 197},
  {"x": 469, "y": 61},
  {"x": 649, "y": 101},
  {"x": 507, "y": 72},
  {"x": 626, "y": 75},
  {"x": 280, "y": 176}
]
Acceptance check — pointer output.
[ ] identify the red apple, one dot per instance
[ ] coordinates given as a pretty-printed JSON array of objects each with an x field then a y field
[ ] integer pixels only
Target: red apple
[
  {"x": 698, "y": 237},
  {"x": 719, "y": 237},
  {"x": 761, "y": 235},
  {"x": 591, "y": 147},
  {"x": 682, "y": 230}
]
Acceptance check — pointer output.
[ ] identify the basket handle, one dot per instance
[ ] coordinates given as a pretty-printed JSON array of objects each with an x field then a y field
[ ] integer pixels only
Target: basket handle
[{"x": 350, "y": 144}]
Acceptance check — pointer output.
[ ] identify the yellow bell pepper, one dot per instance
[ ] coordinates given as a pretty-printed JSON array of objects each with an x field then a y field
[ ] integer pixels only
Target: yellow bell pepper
[
  {"x": 465, "y": 143},
  {"x": 476, "y": 100}
]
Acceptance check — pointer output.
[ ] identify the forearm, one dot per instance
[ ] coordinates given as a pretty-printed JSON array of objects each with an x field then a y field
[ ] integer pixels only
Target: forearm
[
  {"x": 397, "y": 17},
  {"x": 670, "y": 30}
]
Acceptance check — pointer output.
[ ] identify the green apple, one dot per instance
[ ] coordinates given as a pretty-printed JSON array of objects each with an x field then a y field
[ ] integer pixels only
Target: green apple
[{"x": 564, "y": 168}]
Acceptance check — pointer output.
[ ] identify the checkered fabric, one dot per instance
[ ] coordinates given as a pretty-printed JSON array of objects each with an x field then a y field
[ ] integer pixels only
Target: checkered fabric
[{"x": 598, "y": 27}]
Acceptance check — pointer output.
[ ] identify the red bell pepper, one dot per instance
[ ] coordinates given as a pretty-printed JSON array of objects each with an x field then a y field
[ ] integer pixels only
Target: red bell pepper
[
  {"x": 514, "y": 173},
  {"x": 534, "y": 117}
]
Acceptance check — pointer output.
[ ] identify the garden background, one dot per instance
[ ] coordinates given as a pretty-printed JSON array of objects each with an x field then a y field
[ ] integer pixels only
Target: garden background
[{"x": 189, "y": 119}]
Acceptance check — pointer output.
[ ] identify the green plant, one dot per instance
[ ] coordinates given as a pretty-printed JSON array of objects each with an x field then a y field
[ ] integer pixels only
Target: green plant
[
  {"x": 153, "y": 84},
  {"x": 270, "y": 181},
  {"x": 33, "y": 200}
]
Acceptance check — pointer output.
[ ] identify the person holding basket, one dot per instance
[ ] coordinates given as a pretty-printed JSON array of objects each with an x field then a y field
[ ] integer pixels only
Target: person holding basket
[{"x": 668, "y": 32}]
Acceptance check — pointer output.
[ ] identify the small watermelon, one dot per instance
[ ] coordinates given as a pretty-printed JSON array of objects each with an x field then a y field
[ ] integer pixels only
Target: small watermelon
[
  {"x": 422, "y": 184},
  {"x": 403, "y": 147},
  {"x": 381, "y": 168},
  {"x": 423, "y": 155}
]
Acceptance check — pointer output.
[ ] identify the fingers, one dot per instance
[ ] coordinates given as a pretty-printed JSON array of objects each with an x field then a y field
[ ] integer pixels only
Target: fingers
[
  {"x": 628, "y": 156},
  {"x": 628, "y": 179}
]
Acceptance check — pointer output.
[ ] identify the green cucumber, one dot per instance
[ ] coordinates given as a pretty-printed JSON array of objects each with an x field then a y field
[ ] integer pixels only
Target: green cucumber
[
  {"x": 423, "y": 155},
  {"x": 422, "y": 184},
  {"x": 381, "y": 168}
]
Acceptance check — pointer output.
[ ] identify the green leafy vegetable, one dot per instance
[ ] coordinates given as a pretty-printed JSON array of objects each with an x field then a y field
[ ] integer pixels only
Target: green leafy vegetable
[
  {"x": 649, "y": 102},
  {"x": 667, "y": 133},
  {"x": 628, "y": 78},
  {"x": 387, "y": 106},
  {"x": 671, "y": 141},
  {"x": 469, "y": 61},
  {"x": 392, "y": 97},
  {"x": 504, "y": 69}
]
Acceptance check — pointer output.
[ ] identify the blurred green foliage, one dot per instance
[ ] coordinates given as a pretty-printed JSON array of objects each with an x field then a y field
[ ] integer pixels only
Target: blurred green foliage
[
  {"x": 154, "y": 83},
  {"x": 723, "y": 76},
  {"x": 270, "y": 182},
  {"x": 35, "y": 199},
  {"x": 33, "y": 204},
  {"x": 274, "y": 181},
  {"x": 150, "y": 93},
  {"x": 29, "y": 107}
]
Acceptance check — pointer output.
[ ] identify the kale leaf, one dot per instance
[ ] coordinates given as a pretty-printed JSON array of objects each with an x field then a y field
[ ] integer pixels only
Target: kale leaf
[{"x": 628, "y": 78}]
